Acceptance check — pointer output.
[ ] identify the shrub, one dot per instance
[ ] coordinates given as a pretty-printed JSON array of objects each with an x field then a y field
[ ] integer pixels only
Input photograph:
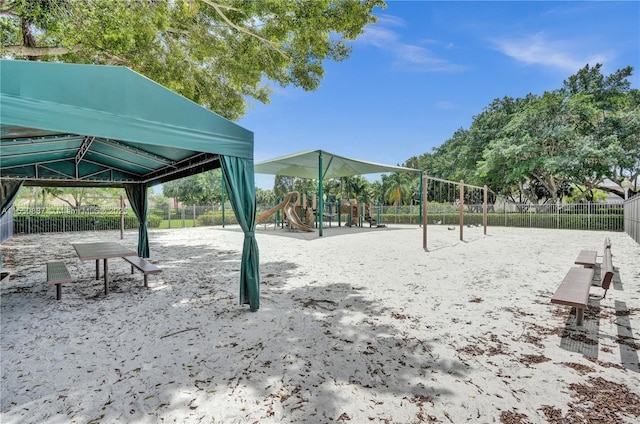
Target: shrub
[{"x": 153, "y": 221}]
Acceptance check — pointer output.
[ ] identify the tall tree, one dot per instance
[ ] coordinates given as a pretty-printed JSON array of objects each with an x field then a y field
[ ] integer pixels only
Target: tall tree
[
  {"x": 186, "y": 190},
  {"x": 575, "y": 136},
  {"x": 608, "y": 126},
  {"x": 217, "y": 53},
  {"x": 397, "y": 188}
]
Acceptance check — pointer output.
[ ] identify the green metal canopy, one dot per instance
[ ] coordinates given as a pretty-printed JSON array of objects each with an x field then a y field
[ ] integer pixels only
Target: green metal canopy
[
  {"x": 320, "y": 165},
  {"x": 71, "y": 125},
  {"x": 86, "y": 125}
]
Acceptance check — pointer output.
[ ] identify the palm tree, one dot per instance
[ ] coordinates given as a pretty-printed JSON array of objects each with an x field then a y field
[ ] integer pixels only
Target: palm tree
[
  {"x": 398, "y": 188},
  {"x": 332, "y": 187}
]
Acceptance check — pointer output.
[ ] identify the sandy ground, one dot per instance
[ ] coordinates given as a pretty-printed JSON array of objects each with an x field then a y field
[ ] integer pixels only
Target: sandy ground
[{"x": 361, "y": 325}]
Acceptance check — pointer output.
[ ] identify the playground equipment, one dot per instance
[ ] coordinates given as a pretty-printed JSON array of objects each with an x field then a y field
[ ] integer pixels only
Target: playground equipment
[
  {"x": 288, "y": 206},
  {"x": 350, "y": 208},
  {"x": 455, "y": 195},
  {"x": 296, "y": 206},
  {"x": 373, "y": 222}
]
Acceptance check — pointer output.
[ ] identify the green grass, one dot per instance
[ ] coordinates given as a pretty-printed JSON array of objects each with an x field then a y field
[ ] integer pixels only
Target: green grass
[{"x": 176, "y": 223}]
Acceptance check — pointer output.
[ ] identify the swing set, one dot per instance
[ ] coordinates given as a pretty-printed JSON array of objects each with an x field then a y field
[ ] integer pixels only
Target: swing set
[{"x": 447, "y": 196}]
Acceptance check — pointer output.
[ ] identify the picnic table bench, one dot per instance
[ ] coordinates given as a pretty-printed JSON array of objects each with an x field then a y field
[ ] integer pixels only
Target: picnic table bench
[
  {"x": 57, "y": 273},
  {"x": 575, "y": 287},
  {"x": 143, "y": 265}
]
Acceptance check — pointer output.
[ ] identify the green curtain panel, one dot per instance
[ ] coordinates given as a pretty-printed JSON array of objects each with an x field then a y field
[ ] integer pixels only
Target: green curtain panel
[
  {"x": 8, "y": 192},
  {"x": 240, "y": 184},
  {"x": 137, "y": 195}
]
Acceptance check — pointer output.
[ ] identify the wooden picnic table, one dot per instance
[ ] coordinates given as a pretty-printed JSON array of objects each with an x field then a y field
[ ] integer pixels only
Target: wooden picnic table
[{"x": 104, "y": 251}]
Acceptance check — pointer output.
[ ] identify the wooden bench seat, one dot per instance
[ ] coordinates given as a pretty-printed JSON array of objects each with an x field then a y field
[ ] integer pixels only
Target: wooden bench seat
[
  {"x": 575, "y": 287},
  {"x": 574, "y": 290},
  {"x": 143, "y": 265},
  {"x": 587, "y": 258},
  {"x": 57, "y": 273}
]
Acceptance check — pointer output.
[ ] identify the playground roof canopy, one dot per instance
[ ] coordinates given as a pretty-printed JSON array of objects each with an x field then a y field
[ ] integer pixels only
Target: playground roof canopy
[
  {"x": 306, "y": 164},
  {"x": 86, "y": 125}
]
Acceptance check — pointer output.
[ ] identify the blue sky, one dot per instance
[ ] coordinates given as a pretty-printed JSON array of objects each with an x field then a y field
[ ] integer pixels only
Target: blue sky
[{"x": 425, "y": 69}]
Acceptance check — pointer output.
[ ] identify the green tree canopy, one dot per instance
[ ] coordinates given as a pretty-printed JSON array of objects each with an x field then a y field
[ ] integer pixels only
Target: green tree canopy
[
  {"x": 538, "y": 147},
  {"x": 217, "y": 53},
  {"x": 397, "y": 186}
]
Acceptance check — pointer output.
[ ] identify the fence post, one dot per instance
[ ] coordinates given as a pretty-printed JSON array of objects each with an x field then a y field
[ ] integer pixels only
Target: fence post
[
  {"x": 504, "y": 209},
  {"x": 122, "y": 217},
  {"x": 169, "y": 214},
  {"x": 223, "y": 201},
  {"x": 485, "y": 208},
  {"x": 194, "y": 215}
]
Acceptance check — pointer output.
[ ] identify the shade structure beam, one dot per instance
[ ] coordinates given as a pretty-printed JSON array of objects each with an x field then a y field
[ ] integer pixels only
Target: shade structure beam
[
  {"x": 83, "y": 149},
  {"x": 208, "y": 160},
  {"x": 326, "y": 169},
  {"x": 120, "y": 160},
  {"x": 9, "y": 141},
  {"x": 110, "y": 168},
  {"x": 112, "y": 144},
  {"x": 35, "y": 165},
  {"x": 25, "y": 155}
]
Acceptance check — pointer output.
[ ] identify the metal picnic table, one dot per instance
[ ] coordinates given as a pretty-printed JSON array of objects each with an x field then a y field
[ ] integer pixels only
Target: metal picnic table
[{"x": 104, "y": 251}]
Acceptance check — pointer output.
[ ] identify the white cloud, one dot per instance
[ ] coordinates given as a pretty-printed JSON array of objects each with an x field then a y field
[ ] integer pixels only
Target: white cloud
[
  {"x": 390, "y": 20},
  {"x": 538, "y": 50},
  {"x": 417, "y": 58},
  {"x": 407, "y": 57},
  {"x": 379, "y": 37}
]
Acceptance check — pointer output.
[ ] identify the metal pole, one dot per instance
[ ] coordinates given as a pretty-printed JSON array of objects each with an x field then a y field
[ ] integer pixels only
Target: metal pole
[
  {"x": 421, "y": 197},
  {"x": 424, "y": 199},
  {"x": 461, "y": 201},
  {"x": 223, "y": 201},
  {"x": 320, "y": 195}
]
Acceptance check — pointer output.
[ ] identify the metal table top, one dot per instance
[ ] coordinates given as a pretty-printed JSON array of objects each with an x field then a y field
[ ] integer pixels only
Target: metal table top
[{"x": 102, "y": 250}]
